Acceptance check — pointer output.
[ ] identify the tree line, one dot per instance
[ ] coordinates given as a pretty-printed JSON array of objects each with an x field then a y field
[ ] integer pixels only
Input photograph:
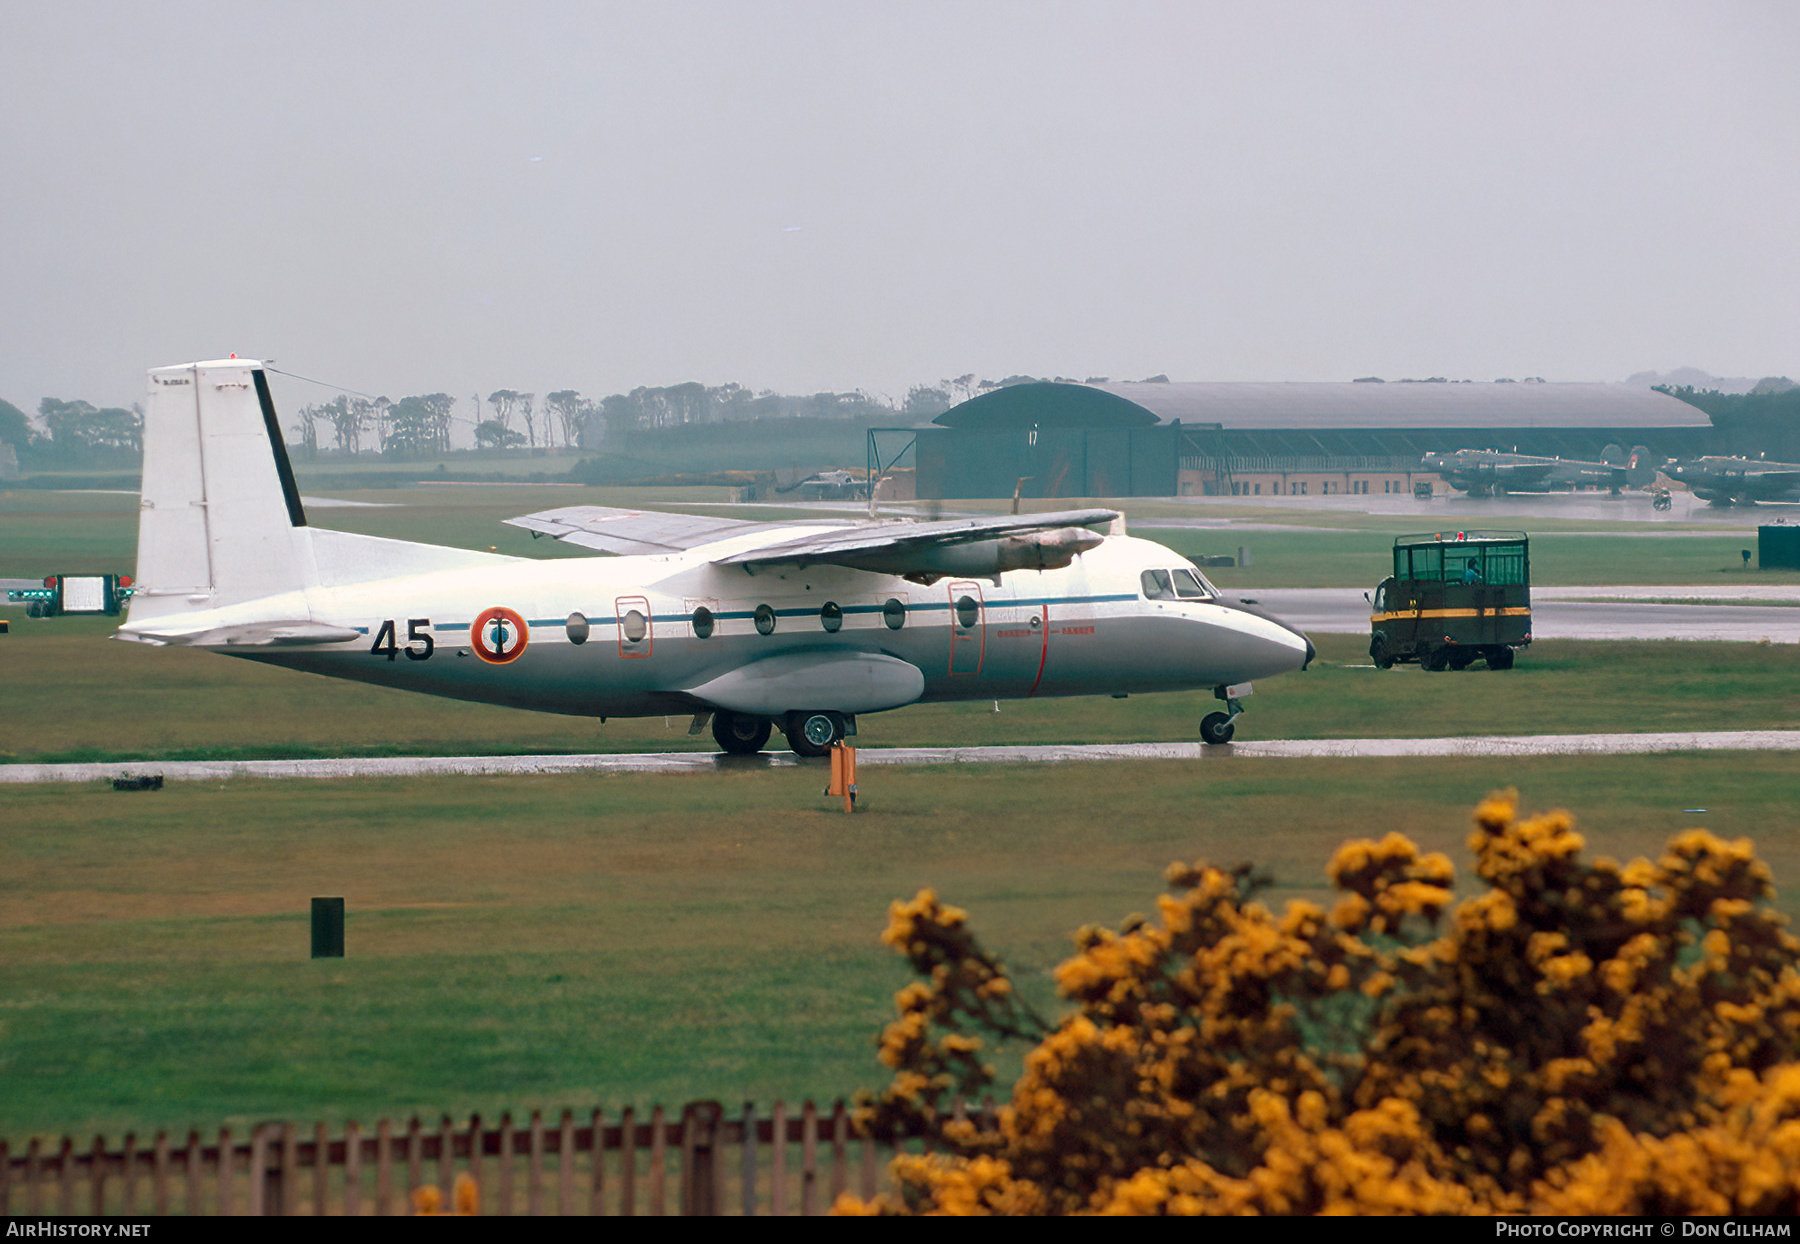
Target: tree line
[
  {"x": 1764, "y": 421},
  {"x": 79, "y": 434},
  {"x": 73, "y": 434}
]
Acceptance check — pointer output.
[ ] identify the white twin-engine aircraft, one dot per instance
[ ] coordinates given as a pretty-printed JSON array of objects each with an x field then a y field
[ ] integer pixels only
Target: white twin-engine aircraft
[{"x": 801, "y": 625}]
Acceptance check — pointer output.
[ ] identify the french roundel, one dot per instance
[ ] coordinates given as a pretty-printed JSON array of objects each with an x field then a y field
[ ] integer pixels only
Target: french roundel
[{"x": 498, "y": 635}]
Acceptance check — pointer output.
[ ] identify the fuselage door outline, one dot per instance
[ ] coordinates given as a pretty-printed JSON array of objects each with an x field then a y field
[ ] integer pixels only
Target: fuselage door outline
[
  {"x": 968, "y": 628},
  {"x": 637, "y": 630}
]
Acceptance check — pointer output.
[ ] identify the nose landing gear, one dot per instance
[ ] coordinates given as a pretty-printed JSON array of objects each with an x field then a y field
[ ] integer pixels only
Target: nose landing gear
[{"x": 1217, "y": 728}]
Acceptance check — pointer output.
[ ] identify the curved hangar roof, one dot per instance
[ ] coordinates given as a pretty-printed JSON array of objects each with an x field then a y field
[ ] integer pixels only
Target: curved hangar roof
[{"x": 1253, "y": 406}]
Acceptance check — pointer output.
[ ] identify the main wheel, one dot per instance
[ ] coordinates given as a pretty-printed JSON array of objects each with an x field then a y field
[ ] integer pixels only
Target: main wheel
[
  {"x": 812, "y": 734},
  {"x": 1500, "y": 658},
  {"x": 739, "y": 733},
  {"x": 1379, "y": 654},
  {"x": 1216, "y": 728}
]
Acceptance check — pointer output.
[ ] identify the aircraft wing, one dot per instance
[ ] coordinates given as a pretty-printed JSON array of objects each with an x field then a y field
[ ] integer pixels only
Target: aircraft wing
[
  {"x": 972, "y": 546},
  {"x": 1782, "y": 477},
  {"x": 627, "y": 532},
  {"x": 1525, "y": 472},
  {"x": 926, "y": 551}
]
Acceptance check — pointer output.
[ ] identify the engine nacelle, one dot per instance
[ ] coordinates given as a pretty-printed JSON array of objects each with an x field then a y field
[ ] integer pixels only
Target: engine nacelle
[{"x": 983, "y": 559}]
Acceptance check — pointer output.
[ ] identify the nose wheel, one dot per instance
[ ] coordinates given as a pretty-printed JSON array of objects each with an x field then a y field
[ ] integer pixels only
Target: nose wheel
[{"x": 1217, "y": 728}]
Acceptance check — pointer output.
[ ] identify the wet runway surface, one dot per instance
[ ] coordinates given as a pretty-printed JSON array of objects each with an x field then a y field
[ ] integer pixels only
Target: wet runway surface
[
  {"x": 1578, "y": 612},
  {"x": 713, "y": 762}
]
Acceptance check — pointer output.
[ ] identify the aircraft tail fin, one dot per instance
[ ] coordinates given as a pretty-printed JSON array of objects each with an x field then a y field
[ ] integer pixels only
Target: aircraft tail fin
[
  {"x": 1640, "y": 467},
  {"x": 219, "y": 504},
  {"x": 1613, "y": 455},
  {"x": 221, "y": 521}
]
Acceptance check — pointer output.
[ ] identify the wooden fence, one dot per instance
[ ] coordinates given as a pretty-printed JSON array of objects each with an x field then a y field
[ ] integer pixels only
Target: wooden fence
[{"x": 705, "y": 1161}]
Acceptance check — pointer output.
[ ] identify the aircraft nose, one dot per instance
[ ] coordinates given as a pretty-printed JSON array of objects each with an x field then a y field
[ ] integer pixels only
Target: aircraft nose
[
  {"x": 1260, "y": 646},
  {"x": 1281, "y": 646}
]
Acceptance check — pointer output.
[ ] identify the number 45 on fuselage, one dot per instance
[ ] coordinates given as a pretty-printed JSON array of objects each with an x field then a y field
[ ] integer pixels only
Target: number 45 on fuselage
[{"x": 797, "y": 625}]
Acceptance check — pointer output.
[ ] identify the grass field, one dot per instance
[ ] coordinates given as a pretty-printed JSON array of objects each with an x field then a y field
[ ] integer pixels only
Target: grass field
[{"x": 550, "y": 941}]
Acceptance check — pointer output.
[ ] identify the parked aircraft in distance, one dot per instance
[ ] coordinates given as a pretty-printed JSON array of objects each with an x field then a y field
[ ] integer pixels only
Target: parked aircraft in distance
[
  {"x": 1483, "y": 472},
  {"x": 755, "y": 625},
  {"x": 1737, "y": 481}
]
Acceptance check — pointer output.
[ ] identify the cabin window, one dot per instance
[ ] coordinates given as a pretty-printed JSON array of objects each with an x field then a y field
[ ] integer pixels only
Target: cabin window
[
  {"x": 703, "y": 623},
  {"x": 894, "y": 613},
  {"x": 831, "y": 617},
  {"x": 968, "y": 613},
  {"x": 1156, "y": 585},
  {"x": 577, "y": 627},
  {"x": 635, "y": 626},
  {"x": 765, "y": 620}
]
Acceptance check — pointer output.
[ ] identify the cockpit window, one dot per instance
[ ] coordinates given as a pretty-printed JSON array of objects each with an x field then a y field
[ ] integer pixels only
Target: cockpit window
[
  {"x": 1178, "y": 584},
  {"x": 1192, "y": 586}
]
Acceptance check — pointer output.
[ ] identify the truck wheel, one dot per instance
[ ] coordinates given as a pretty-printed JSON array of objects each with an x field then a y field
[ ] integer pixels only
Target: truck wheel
[
  {"x": 1379, "y": 654},
  {"x": 1500, "y": 659},
  {"x": 1216, "y": 728}
]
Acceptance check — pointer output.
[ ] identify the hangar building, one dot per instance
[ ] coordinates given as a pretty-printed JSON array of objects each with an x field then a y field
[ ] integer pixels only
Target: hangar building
[{"x": 1160, "y": 439}]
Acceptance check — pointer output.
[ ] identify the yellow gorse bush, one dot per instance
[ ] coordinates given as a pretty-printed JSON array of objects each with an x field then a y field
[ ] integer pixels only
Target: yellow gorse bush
[{"x": 1579, "y": 1038}]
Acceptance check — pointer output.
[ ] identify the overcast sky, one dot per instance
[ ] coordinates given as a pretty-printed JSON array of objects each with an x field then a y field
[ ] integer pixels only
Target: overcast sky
[{"x": 404, "y": 198}]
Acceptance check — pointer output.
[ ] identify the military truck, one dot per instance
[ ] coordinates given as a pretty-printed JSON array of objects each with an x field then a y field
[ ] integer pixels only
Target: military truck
[{"x": 1454, "y": 598}]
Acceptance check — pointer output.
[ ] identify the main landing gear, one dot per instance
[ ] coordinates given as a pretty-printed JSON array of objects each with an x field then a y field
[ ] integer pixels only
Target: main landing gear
[
  {"x": 1216, "y": 728},
  {"x": 809, "y": 734},
  {"x": 812, "y": 734},
  {"x": 739, "y": 733}
]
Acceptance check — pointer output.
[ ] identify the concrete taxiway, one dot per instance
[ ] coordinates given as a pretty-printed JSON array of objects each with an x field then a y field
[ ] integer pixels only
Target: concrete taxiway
[
  {"x": 1580, "y": 612},
  {"x": 714, "y": 762}
]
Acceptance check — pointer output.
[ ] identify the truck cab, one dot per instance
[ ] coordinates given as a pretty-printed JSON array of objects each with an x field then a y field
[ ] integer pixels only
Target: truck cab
[{"x": 1454, "y": 598}]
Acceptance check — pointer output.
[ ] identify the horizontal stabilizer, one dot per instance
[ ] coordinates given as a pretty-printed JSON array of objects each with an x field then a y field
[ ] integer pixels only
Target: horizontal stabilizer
[{"x": 246, "y": 635}]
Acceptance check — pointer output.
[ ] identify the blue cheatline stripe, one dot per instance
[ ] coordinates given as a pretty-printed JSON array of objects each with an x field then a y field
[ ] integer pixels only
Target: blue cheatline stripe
[{"x": 918, "y": 606}]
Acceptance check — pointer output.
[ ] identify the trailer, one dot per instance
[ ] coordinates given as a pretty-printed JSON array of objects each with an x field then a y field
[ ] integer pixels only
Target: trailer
[{"x": 1454, "y": 598}]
